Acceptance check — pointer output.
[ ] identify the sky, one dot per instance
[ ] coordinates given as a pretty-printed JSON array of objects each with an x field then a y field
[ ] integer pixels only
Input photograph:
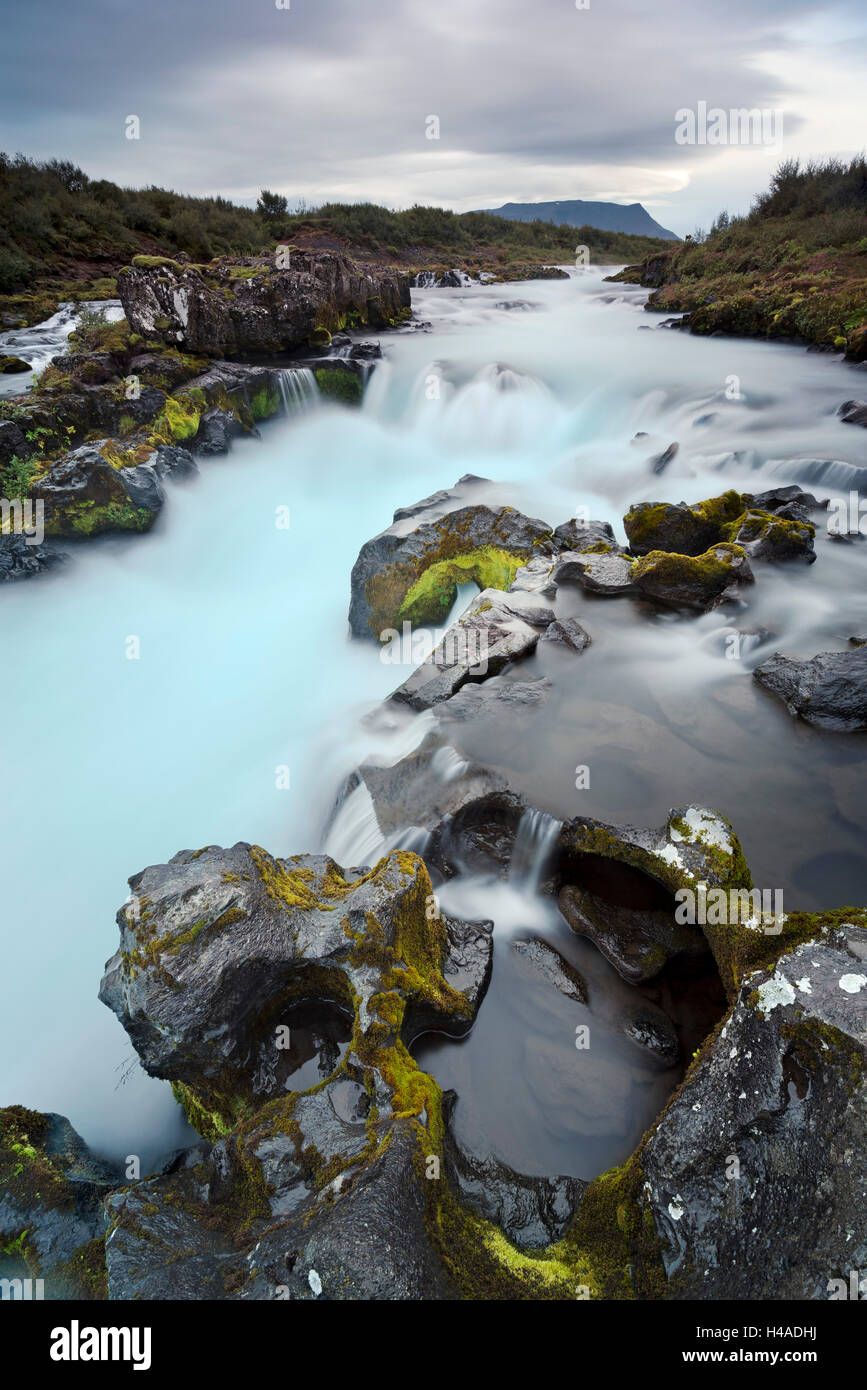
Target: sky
[{"x": 334, "y": 99}]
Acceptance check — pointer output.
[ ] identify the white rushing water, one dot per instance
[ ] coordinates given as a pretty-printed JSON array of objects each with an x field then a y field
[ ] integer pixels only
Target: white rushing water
[
  {"x": 37, "y": 345},
  {"x": 245, "y": 666}
]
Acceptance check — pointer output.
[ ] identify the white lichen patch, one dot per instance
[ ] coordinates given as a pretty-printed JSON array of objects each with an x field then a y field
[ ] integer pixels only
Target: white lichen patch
[
  {"x": 705, "y": 826},
  {"x": 804, "y": 986},
  {"x": 774, "y": 992},
  {"x": 315, "y": 1282},
  {"x": 852, "y": 984},
  {"x": 676, "y": 1208}
]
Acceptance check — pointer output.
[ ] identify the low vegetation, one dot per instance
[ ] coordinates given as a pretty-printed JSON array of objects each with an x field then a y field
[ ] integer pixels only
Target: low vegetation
[
  {"x": 64, "y": 235},
  {"x": 795, "y": 267}
]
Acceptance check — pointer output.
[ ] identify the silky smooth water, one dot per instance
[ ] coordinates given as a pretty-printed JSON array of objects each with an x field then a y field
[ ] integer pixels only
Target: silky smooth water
[{"x": 245, "y": 665}]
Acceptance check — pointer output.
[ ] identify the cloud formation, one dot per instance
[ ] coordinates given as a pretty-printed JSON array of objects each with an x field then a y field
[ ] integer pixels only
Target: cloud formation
[{"x": 329, "y": 98}]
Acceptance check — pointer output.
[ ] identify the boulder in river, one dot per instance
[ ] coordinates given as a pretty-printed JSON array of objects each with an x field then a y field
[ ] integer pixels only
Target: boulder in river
[
  {"x": 84, "y": 494},
  {"x": 496, "y": 629},
  {"x": 265, "y": 309},
  {"x": 772, "y": 525},
  {"x": 321, "y": 1190},
  {"x": 699, "y": 582},
  {"x": 413, "y": 575},
  {"x": 829, "y": 691},
  {"x": 608, "y": 574},
  {"x": 853, "y": 413}
]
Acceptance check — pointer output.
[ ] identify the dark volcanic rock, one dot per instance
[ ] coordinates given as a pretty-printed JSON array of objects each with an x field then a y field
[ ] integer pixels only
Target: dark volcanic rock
[
  {"x": 270, "y": 310},
  {"x": 496, "y": 629},
  {"x": 13, "y": 443},
  {"x": 756, "y": 1171},
  {"x": 217, "y": 429},
  {"x": 83, "y": 493},
  {"x": 609, "y": 575},
  {"x": 496, "y": 698},
  {"x": 316, "y": 1192},
  {"x": 660, "y": 462},
  {"x": 584, "y": 535},
  {"x": 650, "y": 1028},
  {"x": 697, "y": 582},
  {"x": 20, "y": 560},
  {"x": 475, "y": 543},
  {"x": 674, "y": 526},
  {"x": 636, "y": 943},
  {"x": 543, "y": 960},
  {"x": 853, "y": 413},
  {"x": 532, "y": 1212},
  {"x": 568, "y": 632},
  {"x": 205, "y": 937},
  {"x": 53, "y": 1189},
  {"x": 830, "y": 691}
]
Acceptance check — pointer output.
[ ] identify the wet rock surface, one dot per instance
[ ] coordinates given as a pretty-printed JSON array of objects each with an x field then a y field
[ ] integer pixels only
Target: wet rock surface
[
  {"x": 532, "y": 1212},
  {"x": 700, "y": 582},
  {"x": 413, "y": 576},
  {"x": 755, "y": 1171},
  {"x": 51, "y": 1194},
  {"x": 829, "y": 691},
  {"x": 20, "y": 558}
]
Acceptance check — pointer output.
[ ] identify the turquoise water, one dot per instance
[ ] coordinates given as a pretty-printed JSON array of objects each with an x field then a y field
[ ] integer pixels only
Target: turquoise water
[{"x": 245, "y": 664}]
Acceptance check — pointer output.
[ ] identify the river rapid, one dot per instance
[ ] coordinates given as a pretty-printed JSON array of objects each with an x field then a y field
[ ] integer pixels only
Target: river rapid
[{"x": 245, "y": 670}]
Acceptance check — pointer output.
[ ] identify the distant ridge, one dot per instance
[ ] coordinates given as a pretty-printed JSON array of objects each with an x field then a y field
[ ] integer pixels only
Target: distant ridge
[{"x": 607, "y": 217}]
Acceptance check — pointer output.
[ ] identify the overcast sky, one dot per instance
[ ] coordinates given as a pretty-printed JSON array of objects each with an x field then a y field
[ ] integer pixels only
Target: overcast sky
[{"x": 536, "y": 99}]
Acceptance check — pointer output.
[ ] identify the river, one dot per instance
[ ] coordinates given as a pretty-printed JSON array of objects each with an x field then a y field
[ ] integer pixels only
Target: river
[{"x": 245, "y": 668}]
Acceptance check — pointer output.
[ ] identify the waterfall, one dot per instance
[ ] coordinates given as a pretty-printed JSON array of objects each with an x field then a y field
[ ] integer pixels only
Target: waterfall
[
  {"x": 354, "y": 836},
  {"x": 533, "y": 847},
  {"x": 298, "y": 389}
]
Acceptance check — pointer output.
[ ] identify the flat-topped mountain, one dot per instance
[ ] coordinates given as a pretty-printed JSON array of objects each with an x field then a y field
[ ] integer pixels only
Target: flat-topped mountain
[{"x": 607, "y": 217}]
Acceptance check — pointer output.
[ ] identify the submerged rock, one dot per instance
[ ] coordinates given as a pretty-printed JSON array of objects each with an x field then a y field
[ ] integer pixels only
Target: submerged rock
[
  {"x": 853, "y": 413},
  {"x": 637, "y": 942},
  {"x": 829, "y": 691},
  {"x": 547, "y": 963}
]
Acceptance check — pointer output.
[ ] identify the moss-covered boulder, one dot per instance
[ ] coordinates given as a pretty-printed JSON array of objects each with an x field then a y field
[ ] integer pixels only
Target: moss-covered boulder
[
  {"x": 412, "y": 575},
  {"x": 225, "y": 954},
  {"x": 771, "y": 526},
  {"x": 215, "y": 311},
  {"x": 12, "y": 366},
  {"x": 52, "y": 1188},
  {"x": 84, "y": 495},
  {"x": 697, "y": 582},
  {"x": 674, "y": 526}
]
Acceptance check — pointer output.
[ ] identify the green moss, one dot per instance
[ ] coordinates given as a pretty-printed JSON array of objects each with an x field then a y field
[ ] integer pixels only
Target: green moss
[
  {"x": 265, "y": 403},
  {"x": 429, "y": 599},
  {"x": 339, "y": 384},
  {"x": 90, "y": 519},
  {"x": 156, "y": 263},
  {"x": 178, "y": 420}
]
